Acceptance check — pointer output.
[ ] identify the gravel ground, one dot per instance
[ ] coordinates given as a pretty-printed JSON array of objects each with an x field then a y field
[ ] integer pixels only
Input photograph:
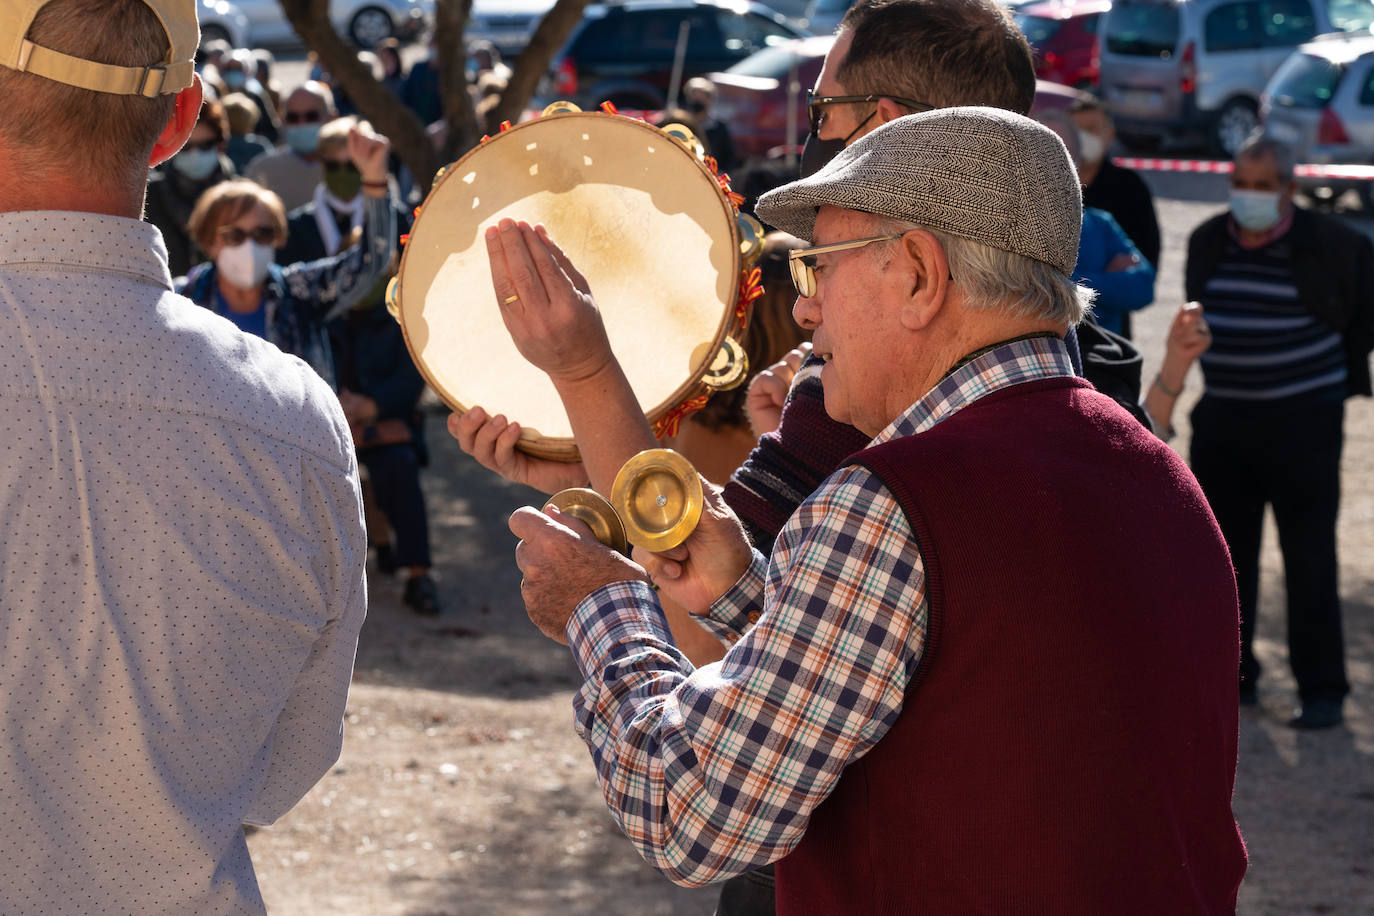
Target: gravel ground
[{"x": 462, "y": 789}]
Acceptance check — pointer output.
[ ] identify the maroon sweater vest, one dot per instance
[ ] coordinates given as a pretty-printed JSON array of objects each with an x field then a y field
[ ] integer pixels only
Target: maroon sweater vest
[{"x": 1068, "y": 743}]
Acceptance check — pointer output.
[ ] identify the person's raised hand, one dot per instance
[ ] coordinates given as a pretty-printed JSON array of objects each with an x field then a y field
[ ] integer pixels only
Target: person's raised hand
[
  {"x": 546, "y": 303},
  {"x": 768, "y": 391},
  {"x": 562, "y": 563},
  {"x": 1189, "y": 336},
  {"x": 491, "y": 441},
  {"x": 1123, "y": 261},
  {"x": 368, "y": 152},
  {"x": 708, "y": 563}
]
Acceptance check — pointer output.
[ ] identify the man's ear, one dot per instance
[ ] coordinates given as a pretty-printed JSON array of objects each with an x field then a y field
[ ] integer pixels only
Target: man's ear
[
  {"x": 179, "y": 125},
  {"x": 926, "y": 268},
  {"x": 889, "y": 110}
]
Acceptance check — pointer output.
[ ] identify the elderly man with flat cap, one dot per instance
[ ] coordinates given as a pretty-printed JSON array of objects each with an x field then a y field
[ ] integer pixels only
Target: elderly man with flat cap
[{"x": 957, "y": 695}]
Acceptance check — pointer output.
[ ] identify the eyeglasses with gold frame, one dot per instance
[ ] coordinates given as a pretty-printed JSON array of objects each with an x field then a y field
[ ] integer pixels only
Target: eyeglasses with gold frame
[{"x": 802, "y": 261}]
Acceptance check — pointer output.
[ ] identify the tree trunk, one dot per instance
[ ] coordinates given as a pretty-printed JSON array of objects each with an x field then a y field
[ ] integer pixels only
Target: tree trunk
[
  {"x": 450, "y": 18},
  {"x": 310, "y": 19},
  {"x": 547, "y": 39}
]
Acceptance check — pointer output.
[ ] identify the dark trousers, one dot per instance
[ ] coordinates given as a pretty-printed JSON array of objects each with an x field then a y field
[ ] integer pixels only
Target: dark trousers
[
  {"x": 395, "y": 474},
  {"x": 1286, "y": 454}
]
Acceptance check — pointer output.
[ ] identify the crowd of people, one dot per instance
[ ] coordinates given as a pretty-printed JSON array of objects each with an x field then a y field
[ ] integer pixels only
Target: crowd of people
[{"x": 934, "y": 526}]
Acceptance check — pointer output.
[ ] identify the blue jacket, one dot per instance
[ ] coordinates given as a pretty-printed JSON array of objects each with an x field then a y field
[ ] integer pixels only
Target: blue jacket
[{"x": 1120, "y": 291}]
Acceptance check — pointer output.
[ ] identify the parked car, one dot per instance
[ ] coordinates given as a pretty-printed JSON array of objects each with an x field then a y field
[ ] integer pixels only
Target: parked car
[
  {"x": 364, "y": 22},
  {"x": 223, "y": 20},
  {"x": 1064, "y": 36},
  {"x": 823, "y": 16},
  {"x": 624, "y": 54},
  {"x": 752, "y": 96},
  {"x": 1197, "y": 67},
  {"x": 1321, "y": 102},
  {"x": 507, "y": 24}
]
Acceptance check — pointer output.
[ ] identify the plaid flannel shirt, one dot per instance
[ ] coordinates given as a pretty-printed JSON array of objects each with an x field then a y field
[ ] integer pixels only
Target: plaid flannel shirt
[{"x": 715, "y": 771}]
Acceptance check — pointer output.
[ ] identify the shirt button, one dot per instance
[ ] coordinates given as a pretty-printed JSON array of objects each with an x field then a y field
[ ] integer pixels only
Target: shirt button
[
  {"x": 753, "y": 616},
  {"x": 732, "y": 637}
]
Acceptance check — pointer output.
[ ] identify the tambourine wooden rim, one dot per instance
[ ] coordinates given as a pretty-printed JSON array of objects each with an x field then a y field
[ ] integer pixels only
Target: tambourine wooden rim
[{"x": 688, "y": 396}]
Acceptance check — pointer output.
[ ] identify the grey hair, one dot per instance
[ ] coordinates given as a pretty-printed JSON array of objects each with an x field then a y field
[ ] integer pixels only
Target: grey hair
[
  {"x": 1260, "y": 144},
  {"x": 990, "y": 278}
]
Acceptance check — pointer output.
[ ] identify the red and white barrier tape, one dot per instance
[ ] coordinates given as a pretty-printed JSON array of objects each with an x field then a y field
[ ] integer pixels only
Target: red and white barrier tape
[{"x": 1213, "y": 167}]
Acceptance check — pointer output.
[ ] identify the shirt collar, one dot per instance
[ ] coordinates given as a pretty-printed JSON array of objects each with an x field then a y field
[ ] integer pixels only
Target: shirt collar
[
  {"x": 86, "y": 241},
  {"x": 1009, "y": 364}
]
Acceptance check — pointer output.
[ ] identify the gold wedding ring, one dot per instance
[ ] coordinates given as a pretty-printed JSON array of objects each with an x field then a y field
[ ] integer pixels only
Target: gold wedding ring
[{"x": 510, "y": 299}]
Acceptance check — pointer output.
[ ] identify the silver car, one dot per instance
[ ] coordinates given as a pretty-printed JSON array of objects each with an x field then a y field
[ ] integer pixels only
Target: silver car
[
  {"x": 1196, "y": 68},
  {"x": 1321, "y": 102},
  {"x": 364, "y": 22}
]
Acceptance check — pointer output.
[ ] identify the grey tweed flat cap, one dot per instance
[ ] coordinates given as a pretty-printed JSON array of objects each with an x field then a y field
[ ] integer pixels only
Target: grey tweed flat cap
[{"x": 982, "y": 174}]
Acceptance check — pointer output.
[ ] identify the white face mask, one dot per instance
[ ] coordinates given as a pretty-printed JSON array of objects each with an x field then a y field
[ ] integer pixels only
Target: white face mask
[
  {"x": 1255, "y": 210},
  {"x": 1091, "y": 149},
  {"x": 244, "y": 265}
]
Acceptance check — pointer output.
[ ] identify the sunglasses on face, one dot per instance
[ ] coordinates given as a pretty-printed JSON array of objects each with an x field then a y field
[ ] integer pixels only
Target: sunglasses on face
[
  {"x": 303, "y": 117},
  {"x": 201, "y": 145},
  {"x": 802, "y": 262},
  {"x": 815, "y": 105},
  {"x": 233, "y": 235}
]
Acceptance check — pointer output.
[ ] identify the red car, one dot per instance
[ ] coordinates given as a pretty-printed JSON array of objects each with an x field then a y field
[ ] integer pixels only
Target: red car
[
  {"x": 1064, "y": 36},
  {"x": 751, "y": 97}
]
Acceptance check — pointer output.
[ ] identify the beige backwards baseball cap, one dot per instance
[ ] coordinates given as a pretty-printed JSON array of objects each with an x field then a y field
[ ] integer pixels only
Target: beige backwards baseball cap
[{"x": 172, "y": 74}]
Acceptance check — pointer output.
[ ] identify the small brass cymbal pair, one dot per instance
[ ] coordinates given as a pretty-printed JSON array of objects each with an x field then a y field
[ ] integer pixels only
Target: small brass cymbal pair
[{"x": 655, "y": 503}]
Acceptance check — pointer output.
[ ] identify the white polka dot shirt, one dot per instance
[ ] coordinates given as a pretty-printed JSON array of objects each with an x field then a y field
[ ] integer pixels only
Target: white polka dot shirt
[{"x": 181, "y": 579}]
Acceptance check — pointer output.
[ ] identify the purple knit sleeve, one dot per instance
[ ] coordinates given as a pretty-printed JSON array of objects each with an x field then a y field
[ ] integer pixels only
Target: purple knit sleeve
[{"x": 788, "y": 465}]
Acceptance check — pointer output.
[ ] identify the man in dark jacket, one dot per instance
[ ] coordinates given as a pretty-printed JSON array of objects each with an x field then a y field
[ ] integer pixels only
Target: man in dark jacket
[{"x": 1289, "y": 297}]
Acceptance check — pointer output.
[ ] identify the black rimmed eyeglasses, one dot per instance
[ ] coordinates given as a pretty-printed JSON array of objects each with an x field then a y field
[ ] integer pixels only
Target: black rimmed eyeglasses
[
  {"x": 802, "y": 261},
  {"x": 815, "y": 105}
]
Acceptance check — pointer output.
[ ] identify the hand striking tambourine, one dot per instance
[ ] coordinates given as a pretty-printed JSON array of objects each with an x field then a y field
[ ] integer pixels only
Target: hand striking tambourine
[{"x": 644, "y": 217}]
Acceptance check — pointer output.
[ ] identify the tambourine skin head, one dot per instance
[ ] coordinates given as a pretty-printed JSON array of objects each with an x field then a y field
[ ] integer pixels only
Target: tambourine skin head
[
  {"x": 659, "y": 498},
  {"x": 595, "y": 511},
  {"x": 644, "y": 220}
]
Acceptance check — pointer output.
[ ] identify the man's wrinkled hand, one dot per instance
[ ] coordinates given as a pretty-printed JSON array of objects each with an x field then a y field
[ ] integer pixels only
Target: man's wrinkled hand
[
  {"x": 546, "y": 303},
  {"x": 491, "y": 441},
  {"x": 562, "y": 563},
  {"x": 708, "y": 563},
  {"x": 369, "y": 151}
]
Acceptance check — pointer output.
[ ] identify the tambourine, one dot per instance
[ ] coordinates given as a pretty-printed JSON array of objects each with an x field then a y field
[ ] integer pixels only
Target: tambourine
[{"x": 645, "y": 217}]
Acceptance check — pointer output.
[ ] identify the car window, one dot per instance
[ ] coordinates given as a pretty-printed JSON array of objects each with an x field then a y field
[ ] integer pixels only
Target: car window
[
  {"x": 1367, "y": 90},
  {"x": 1304, "y": 81},
  {"x": 1143, "y": 28},
  {"x": 648, "y": 34},
  {"x": 743, "y": 35},
  {"x": 1089, "y": 23},
  {"x": 773, "y": 63},
  {"x": 1037, "y": 29},
  {"x": 1232, "y": 27},
  {"x": 1350, "y": 15},
  {"x": 1286, "y": 23}
]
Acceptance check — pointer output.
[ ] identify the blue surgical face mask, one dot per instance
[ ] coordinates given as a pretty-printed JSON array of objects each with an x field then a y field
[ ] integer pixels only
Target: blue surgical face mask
[
  {"x": 196, "y": 164},
  {"x": 1255, "y": 210},
  {"x": 303, "y": 138},
  {"x": 235, "y": 79}
]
